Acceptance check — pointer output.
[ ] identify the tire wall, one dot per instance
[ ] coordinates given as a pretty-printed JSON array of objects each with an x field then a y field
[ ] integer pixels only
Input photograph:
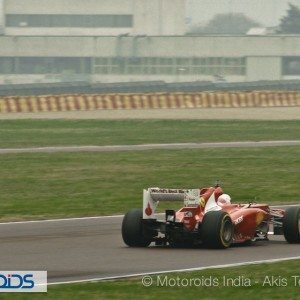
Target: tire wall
[{"x": 82, "y": 102}]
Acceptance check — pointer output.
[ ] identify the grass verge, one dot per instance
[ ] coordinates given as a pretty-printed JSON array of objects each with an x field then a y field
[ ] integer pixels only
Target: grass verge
[
  {"x": 267, "y": 281},
  {"x": 30, "y": 133},
  {"x": 84, "y": 184}
]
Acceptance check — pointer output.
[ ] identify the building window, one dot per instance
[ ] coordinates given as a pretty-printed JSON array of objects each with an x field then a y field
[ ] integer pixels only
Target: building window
[
  {"x": 291, "y": 65},
  {"x": 219, "y": 66},
  {"x": 223, "y": 66},
  {"x": 88, "y": 21},
  {"x": 171, "y": 66},
  {"x": 45, "y": 65},
  {"x": 6, "y": 65}
]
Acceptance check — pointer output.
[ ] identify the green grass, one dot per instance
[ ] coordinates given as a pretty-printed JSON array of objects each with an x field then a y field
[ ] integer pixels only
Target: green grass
[
  {"x": 26, "y": 133},
  {"x": 258, "y": 276},
  {"x": 85, "y": 184}
]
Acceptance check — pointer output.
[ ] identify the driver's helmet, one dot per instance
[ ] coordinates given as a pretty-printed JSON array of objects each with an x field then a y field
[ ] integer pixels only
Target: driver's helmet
[{"x": 224, "y": 199}]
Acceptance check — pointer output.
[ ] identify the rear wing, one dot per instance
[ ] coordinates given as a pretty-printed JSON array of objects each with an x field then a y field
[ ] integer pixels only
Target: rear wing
[{"x": 152, "y": 197}]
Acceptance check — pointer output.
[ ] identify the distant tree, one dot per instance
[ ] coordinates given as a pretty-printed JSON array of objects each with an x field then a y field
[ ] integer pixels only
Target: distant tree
[
  {"x": 232, "y": 23},
  {"x": 196, "y": 29},
  {"x": 291, "y": 22}
]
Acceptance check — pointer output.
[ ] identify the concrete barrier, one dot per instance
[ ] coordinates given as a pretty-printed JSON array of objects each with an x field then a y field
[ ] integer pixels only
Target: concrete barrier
[{"x": 78, "y": 102}]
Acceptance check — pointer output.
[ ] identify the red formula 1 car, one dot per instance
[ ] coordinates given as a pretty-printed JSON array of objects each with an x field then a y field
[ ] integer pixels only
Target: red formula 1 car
[{"x": 207, "y": 218}]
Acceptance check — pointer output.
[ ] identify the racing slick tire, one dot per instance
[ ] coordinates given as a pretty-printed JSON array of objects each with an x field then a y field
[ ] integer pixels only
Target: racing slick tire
[
  {"x": 132, "y": 229},
  {"x": 291, "y": 225},
  {"x": 217, "y": 230}
]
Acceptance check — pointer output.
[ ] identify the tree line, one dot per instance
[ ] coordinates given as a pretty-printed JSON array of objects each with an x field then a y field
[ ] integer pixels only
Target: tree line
[{"x": 238, "y": 23}]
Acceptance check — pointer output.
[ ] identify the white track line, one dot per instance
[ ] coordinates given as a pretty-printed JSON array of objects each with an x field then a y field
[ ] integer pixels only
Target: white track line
[
  {"x": 178, "y": 270},
  {"x": 62, "y": 220},
  {"x": 142, "y": 147},
  {"x": 289, "y": 205},
  {"x": 97, "y": 217}
]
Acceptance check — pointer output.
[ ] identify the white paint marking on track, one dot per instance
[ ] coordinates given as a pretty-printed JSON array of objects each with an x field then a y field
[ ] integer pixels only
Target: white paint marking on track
[
  {"x": 246, "y": 263},
  {"x": 100, "y": 217},
  {"x": 62, "y": 220},
  {"x": 289, "y": 205},
  {"x": 142, "y": 147}
]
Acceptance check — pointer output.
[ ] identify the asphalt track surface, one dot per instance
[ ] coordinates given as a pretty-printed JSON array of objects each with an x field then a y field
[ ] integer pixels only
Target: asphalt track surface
[
  {"x": 92, "y": 248},
  {"x": 143, "y": 147}
]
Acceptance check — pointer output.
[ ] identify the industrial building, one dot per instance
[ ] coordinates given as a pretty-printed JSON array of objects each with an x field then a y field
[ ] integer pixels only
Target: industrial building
[
  {"x": 93, "y": 17},
  {"x": 130, "y": 40}
]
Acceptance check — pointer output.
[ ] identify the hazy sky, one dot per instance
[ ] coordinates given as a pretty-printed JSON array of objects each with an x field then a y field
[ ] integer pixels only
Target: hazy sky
[{"x": 266, "y": 12}]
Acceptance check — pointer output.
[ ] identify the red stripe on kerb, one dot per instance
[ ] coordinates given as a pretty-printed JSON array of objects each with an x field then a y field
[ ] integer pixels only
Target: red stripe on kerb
[
  {"x": 239, "y": 99},
  {"x": 18, "y": 104},
  {"x": 49, "y": 104},
  {"x": 132, "y": 101},
  {"x": 104, "y": 102},
  {"x": 121, "y": 104},
  {"x": 68, "y": 107},
  {"x": 281, "y": 98},
  {"x": 114, "y": 101},
  {"x": 215, "y": 102},
  {"x": 142, "y": 101},
  {"x": 221, "y": 100},
  {"x": 160, "y": 100},
  {"x": 150, "y": 102},
  {"x": 38, "y": 104},
  {"x": 76, "y": 102},
  {"x": 200, "y": 100},
  {"x": 193, "y": 96},
  {"x": 177, "y": 100},
  {"x": 29, "y": 104},
  {"x": 96, "y": 104},
  {"x": 168, "y": 100},
  {"x": 8, "y": 108}
]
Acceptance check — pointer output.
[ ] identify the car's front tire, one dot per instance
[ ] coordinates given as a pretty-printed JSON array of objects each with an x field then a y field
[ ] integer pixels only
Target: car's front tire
[
  {"x": 217, "y": 230},
  {"x": 291, "y": 225},
  {"x": 132, "y": 229}
]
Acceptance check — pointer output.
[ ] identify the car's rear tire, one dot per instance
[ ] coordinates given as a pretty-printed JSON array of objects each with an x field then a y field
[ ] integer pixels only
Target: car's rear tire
[
  {"x": 291, "y": 225},
  {"x": 132, "y": 229},
  {"x": 217, "y": 230}
]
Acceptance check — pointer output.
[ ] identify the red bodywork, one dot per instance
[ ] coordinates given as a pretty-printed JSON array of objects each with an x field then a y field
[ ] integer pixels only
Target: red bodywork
[{"x": 246, "y": 218}]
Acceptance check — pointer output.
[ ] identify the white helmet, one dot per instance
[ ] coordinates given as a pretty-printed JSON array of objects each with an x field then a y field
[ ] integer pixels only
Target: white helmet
[{"x": 224, "y": 199}]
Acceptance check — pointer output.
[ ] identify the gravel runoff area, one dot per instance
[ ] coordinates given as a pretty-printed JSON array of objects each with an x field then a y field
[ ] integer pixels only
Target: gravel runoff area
[{"x": 268, "y": 113}]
